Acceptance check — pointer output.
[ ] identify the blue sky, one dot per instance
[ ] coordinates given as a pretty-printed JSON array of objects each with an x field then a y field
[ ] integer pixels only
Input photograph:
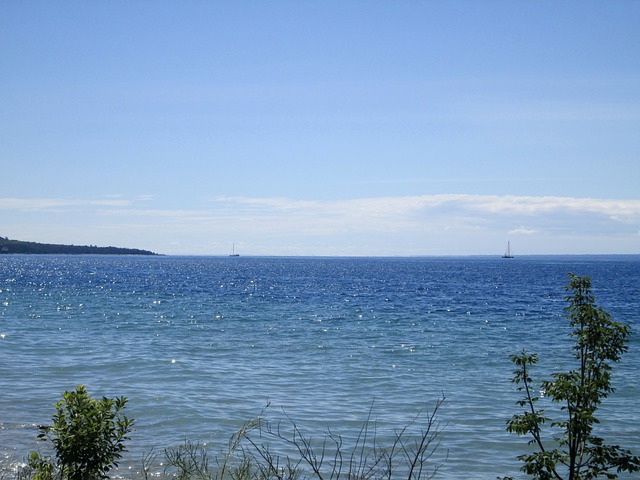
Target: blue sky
[{"x": 322, "y": 127}]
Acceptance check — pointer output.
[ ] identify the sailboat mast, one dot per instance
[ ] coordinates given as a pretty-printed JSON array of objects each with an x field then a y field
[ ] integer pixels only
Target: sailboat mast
[{"x": 508, "y": 252}]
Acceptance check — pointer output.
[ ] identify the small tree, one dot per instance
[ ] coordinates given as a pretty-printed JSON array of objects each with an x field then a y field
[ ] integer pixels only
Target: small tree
[
  {"x": 87, "y": 435},
  {"x": 579, "y": 454}
]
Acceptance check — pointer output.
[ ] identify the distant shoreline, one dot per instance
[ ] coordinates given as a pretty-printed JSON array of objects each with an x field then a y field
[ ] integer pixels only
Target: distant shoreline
[{"x": 8, "y": 247}]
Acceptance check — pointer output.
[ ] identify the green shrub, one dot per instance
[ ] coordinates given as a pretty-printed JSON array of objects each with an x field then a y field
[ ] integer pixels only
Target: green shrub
[{"x": 87, "y": 436}]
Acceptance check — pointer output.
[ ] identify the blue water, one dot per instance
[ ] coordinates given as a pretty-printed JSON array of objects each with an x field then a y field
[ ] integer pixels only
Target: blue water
[{"x": 201, "y": 344}]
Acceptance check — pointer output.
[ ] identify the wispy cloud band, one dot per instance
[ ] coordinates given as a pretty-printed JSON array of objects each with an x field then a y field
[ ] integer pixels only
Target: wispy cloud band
[
  {"x": 453, "y": 220},
  {"x": 622, "y": 210},
  {"x": 409, "y": 206},
  {"x": 44, "y": 204}
]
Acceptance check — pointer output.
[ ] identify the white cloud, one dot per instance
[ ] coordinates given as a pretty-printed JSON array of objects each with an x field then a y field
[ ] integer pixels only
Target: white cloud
[
  {"x": 35, "y": 204},
  {"x": 618, "y": 210},
  {"x": 402, "y": 207},
  {"x": 522, "y": 231},
  {"x": 431, "y": 224},
  {"x": 383, "y": 211}
]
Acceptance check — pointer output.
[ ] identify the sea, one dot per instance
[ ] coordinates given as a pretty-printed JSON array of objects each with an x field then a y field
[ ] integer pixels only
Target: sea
[{"x": 354, "y": 349}]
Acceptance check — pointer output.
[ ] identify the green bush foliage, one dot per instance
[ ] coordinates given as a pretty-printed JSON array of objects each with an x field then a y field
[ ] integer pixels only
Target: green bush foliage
[
  {"x": 87, "y": 436},
  {"x": 579, "y": 453}
]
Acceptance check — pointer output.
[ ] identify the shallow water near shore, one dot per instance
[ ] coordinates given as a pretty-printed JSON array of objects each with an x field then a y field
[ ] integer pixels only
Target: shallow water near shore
[{"x": 200, "y": 345}]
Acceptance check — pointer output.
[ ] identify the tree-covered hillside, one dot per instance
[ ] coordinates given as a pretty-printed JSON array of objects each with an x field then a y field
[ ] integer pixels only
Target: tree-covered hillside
[{"x": 8, "y": 246}]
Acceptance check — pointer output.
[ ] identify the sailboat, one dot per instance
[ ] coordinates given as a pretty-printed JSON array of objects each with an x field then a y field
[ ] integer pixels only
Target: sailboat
[
  {"x": 233, "y": 251},
  {"x": 507, "y": 254}
]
